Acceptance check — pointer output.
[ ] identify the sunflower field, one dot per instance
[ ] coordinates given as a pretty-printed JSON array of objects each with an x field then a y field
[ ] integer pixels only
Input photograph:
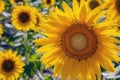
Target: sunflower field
[{"x": 59, "y": 39}]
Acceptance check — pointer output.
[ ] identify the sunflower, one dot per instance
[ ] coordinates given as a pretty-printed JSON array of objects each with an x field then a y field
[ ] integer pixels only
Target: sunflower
[
  {"x": 113, "y": 7},
  {"x": 92, "y": 4},
  {"x": 1, "y": 30},
  {"x": 78, "y": 1},
  {"x": 11, "y": 65},
  {"x": 16, "y": 1},
  {"x": 48, "y": 3},
  {"x": 76, "y": 44},
  {"x": 23, "y": 17},
  {"x": 2, "y": 6},
  {"x": 39, "y": 21}
]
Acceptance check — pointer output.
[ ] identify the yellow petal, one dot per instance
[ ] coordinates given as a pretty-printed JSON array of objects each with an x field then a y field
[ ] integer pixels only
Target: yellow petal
[
  {"x": 103, "y": 60},
  {"x": 83, "y": 14},
  {"x": 67, "y": 9}
]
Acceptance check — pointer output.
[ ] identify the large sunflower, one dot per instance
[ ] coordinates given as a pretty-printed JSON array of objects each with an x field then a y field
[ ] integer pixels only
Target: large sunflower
[
  {"x": 113, "y": 7},
  {"x": 2, "y": 6},
  {"x": 24, "y": 17},
  {"x": 11, "y": 65},
  {"x": 76, "y": 45},
  {"x": 1, "y": 30},
  {"x": 16, "y": 1},
  {"x": 48, "y": 3}
]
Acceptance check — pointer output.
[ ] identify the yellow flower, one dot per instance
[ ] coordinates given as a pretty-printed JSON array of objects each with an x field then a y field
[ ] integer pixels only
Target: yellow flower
[
  {"x": 24, "y": 17},
  {"x": 39, "y": 22},
  {"x": 16, "y": 1},
  {"x": 78, "y": 1},
  {"x": 92, "y": 4},
  {"x": 11, "y": 65},
  {"x": 2, "y": 6},
  {"x": 48, "y": 3},
  {"x": 113, "y": 11},
  {"x": 1, "y": 30},
  {"x": 76, "y": 44}
]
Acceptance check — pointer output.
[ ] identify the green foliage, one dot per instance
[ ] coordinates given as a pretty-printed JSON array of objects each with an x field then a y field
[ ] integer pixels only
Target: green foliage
[
  {"x": 48, "y": 78},
  {"x": 31, "y": 68}
]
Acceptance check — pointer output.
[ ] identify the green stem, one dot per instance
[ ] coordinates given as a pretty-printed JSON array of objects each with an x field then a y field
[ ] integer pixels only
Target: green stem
[{"x": 26, "y": 47}]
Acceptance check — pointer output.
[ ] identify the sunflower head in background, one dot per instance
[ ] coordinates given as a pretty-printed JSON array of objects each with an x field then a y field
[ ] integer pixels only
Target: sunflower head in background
[
  {"x": 92, "y": 4},
  {"x": 76, "y": 44},
  {"x": 2, "y": 6},
  {"x": 48, "y": 3},
  {"x": 113, "y": 11},
  {"x": 13, "y": 2},
  {"x": 39, "y": 21},
  {"x": 24, "y": 17},
  {"x": 78, "y": 1},
  {"x": 11, "y": 65},
  {"x": 1, "y": 30}
]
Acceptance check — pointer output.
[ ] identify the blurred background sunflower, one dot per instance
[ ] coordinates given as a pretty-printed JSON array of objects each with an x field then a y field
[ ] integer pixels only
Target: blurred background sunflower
[
  {"x": 49, "y": 3},
  {"x": 13, "y": 2},
  {"x": 2, "y": 6},
  {"x": 1, "y": 30},
  {"x": 113, "y": 7},
  {"x": 24, "y": 17},
  {"x": 39, "y": 20},
  {"x": 11, "y": 65},
  {"x": 92, "y": 4}
]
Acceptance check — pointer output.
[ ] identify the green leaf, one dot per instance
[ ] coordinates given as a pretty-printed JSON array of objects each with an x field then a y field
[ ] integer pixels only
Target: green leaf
[
  {"x": 48, "y": 78},
  {"x": 33, "y": 57}
]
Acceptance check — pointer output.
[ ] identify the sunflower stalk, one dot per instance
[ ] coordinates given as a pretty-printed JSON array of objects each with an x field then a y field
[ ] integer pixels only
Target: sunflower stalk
[{"x": 26, "y": 47}]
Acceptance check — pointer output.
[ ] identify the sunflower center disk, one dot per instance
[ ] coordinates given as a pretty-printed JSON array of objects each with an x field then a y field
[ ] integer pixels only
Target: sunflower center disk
[
  {"x": 93, "y": 4},
  {"x": 117, "y": 4},
  {"x": 79, "y": 42},
  {"x": 8, "y": 65},
  {"x": 48, "y": 1},
  {"x": 18, "y": 1},
  {"x": 78, "y": 1},
  {"x": 24, "y": 17}
]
